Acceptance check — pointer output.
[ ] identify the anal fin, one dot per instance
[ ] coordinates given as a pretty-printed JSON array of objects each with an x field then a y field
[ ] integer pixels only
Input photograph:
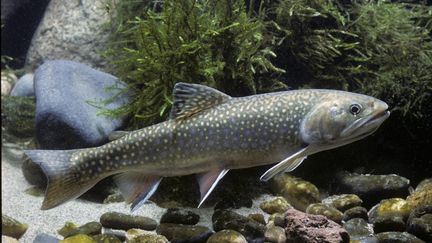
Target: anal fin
[
  {"x": 137, "y": 187},
  {"x": 208, "y": 181}
]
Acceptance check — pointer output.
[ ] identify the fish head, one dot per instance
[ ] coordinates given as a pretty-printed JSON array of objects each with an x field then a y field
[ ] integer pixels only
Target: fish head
[{"x": 342, "y": 117}]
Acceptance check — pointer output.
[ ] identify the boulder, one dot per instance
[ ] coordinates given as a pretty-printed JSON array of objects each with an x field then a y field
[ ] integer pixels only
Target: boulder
[{"x": 24, "y": 86}]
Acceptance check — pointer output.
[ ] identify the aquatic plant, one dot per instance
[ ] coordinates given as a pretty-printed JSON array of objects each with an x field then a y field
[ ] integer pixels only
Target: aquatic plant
[
  {"x": 216, "y": 43},
  {"x": 379, "y": 48}
]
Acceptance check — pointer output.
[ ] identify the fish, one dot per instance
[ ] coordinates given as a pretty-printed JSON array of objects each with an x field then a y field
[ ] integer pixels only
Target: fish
[{"x": 209, "y": 133}]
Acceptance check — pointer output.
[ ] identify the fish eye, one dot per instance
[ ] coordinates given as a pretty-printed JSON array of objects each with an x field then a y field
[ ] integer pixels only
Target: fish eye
[{"x": 355, "y": 109}]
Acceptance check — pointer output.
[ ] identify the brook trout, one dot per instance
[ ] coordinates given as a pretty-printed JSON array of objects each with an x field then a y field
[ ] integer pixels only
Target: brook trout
[{"x": 210, "y": 133}]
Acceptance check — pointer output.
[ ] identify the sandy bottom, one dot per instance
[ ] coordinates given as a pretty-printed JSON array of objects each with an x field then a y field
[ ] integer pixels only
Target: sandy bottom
[{"x": 26, "y": 208}]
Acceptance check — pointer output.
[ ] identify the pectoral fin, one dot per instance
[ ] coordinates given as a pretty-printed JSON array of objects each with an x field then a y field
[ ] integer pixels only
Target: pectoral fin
[
  {"x": 208, "y": 181},
  {"x": 137, "y": 187},
  {"x": 289, "y": 164}
]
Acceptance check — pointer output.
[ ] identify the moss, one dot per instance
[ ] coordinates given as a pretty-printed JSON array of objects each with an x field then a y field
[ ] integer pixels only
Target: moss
[
  {"x": 17, "y": 115},
  {"x": 217, "y": 43}
]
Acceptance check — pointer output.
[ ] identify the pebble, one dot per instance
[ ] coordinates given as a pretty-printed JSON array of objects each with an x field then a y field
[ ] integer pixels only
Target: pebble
[
  {"x": 81, "y": 238},
  {"x": 374, "y": 188},
  {"x": 45, "y": 238},
  {"x": 148, "y": 238},
  {"x": 358, "y": 228},
  {"x": 397, "y": 237},
  {"x": 8, "y": 239},
  {"x": 422, "y": 195},
  {"x": 67, "y": 228},
  {"x": 302, "y": 227},
  {"x": 184, "y": 233},
  {"x": 227, "y": 236},
  {"x": 249, "y": 228},
  {"x": 298, "y": 192},
  {"x": 91, "y": 228},
  {"x": 325, "y": 210},
  {"x": 276, "y": 205},
  {"x": 420, "y": 223},
  {"x": 12, "y": 227},
  {"x": 24, "y": 86},
  {"x": 277, "y": 219},
  {"x": 356, "y": 212},
  {"x": 275, "y": 234},
  {"x": 116, "y": 220},
  {"x": 343, "y": 202},
  {"x": 180, "y": 216},
  {"x": 7, "y": 78},
  {"x": 257, "y": 217},
  {"x": 106, "y": 238},
  {"x": 389, "y": 215}
]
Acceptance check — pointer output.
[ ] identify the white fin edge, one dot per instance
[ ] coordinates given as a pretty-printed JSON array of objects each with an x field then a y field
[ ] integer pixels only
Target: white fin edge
[
  {"x": 220, "y": 176},
  {"x": 289, "y": 162}
]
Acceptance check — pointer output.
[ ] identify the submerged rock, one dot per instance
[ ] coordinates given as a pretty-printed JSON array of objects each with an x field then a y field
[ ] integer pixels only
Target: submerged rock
[
  {"x": 12, "y": 227},
  {"x": 106, "y": 238},
  {"x": 397, "y": 237},
  {"x": 257, "y": 217},
  {"x": 277, "y": 219},
  {"x": 184, "y": 233},
  {"x": 422, "y": 195},
  {"x": 180, "y": 216},
  {"x": 373, "y": 188},
  {"x": 343, "y": 202},
  {"x": 389, "y": 215},
  {"x": 8, "y": 239},
  {"x": 358, "y": 229},
  {"x": 81, "y": 238},
  {"x": 325, "y": 210},
  {"x": 298, "y": 192},
  {"x": 116, "y": 220},
  {"x": 420, "y": 223},
  {"x": 249, "y": 228},
  {"x": 92, "y": 228},
  {"x": 276, "y": 205},
  {"x": 148, "y": 238},
  {"x": 302, "y": 227},
  {"x": 67, "y": 228},
  {"x": 63, "y": 91},
  {"x": 275, "y": 234},
  {"x": 356, "y": 212},
  {"x": 24, "y": 86},
  {"x": 45, "y": 238},
  {"x": 227, "y": 236}
]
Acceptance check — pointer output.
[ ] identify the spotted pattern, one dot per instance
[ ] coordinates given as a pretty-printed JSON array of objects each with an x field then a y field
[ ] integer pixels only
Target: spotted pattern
[{"x": 240, "y": 132}]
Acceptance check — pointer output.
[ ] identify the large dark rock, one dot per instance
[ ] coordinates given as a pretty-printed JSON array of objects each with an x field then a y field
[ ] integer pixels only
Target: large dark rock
[
  {"x": 356, "y": 212},
  {"x": 303, "y": 227},
  {"x": 24, "y": 86},
  {"x": 420, "y": 223},
  {"x": 252, "y": 230},
  {"x": 373, "y": 188},
  {"x": 178, "y": 233},
  {"x": 64, "y": 117}
]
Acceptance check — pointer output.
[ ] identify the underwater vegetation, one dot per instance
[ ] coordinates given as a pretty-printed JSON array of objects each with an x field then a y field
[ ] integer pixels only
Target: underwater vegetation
[{"x": 380, "y": 48}]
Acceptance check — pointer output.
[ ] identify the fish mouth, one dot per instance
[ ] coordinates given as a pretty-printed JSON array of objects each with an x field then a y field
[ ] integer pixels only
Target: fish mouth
[{"x": 365, "y": 126}]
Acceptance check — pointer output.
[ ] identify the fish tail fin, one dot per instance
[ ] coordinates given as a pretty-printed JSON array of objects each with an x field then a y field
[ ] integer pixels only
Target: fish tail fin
[{"x": 65, "y": 182}]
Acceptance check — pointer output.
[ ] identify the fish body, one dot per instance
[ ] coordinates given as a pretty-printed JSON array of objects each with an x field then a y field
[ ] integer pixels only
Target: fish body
[{"x": 208, "y": 134}]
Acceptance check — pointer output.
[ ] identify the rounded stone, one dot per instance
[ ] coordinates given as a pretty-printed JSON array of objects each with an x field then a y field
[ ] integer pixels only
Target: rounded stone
[
  {"x": 422, "y": 195},
  {"x": 397, "y": 237},
  {"x": 278, "y": 219},
  {"x": 420, "y": 223},
  {"x": 125, "y": 221},
  {"x": 389, "y": 215},
  {"x": 275, "y": 234},
  {"x": 7, "y": 79},
  {"x": 325, "y": 210},
  {"x": 67, "y": 228},
  {"x": 106, "y": 238},
  {"x": 81, "y": 238},
  {"x": 91, "y": 228},
  {"x": 227, "y": 236},
  {"x": 275, "y": 205},
  {"x": 12, "y": 227},
  {"x": 24, "y": 86},
  {"x": 249, "y": 228},
  {"x": 355, "y": 212},
  {"x": 374, "y": 188},
  {"x": 148, "y": 238},
  {"x": 184, "y": 233},
  {"x": 358, "y": 228},
  {"x": 8, "y": 239},
  {"x": 180, "y": 216},
  {"x": 343, "y": 202},
  {"x": 257, "y": 217},
  {"x": 298, "y": 192}
]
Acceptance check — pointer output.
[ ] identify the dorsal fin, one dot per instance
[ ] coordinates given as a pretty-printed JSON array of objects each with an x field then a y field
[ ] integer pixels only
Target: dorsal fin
[{"x": 193, "y": 98}]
